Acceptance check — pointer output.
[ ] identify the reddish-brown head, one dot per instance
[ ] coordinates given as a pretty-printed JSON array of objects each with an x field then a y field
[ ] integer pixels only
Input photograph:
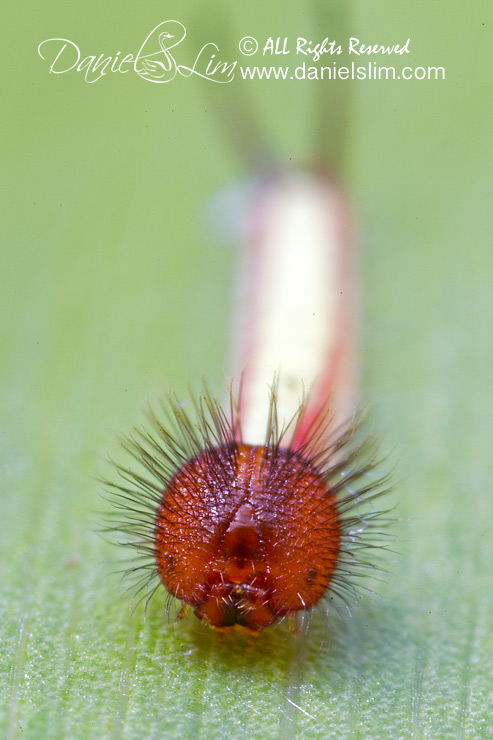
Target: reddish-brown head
[{"x": 247, "y": 535}]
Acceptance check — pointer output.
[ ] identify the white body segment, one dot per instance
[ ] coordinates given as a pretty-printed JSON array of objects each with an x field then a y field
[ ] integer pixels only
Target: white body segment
[{"x": 294, "y": 318}]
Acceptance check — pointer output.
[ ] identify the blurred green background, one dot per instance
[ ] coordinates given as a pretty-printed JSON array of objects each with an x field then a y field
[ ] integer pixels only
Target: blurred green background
[{"x": 113, "y": 291}]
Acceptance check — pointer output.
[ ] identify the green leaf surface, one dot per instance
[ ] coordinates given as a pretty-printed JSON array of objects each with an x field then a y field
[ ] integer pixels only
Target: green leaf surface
[{"x": 115, "y": 288}]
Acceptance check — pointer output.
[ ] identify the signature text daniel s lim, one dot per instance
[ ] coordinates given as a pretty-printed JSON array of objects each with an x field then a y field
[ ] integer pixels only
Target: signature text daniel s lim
[{"x": 155, "y": 60}]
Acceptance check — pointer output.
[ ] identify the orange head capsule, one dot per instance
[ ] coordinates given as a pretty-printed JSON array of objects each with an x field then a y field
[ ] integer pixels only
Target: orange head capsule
[{"x": 246, "y": 534}]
